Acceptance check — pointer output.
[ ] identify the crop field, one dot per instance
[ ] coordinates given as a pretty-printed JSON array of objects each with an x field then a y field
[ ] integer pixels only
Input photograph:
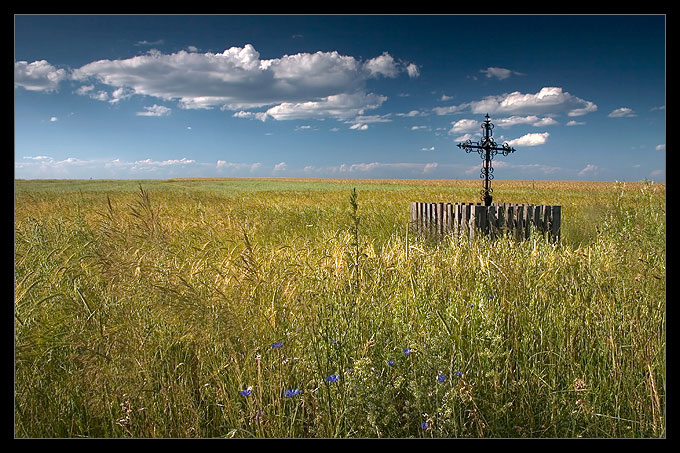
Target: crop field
[{"x": 306, "y": 308}]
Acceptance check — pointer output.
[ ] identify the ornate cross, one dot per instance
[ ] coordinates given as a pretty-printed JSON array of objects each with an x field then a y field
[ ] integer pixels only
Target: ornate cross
[{"x": 487, "y": 149}]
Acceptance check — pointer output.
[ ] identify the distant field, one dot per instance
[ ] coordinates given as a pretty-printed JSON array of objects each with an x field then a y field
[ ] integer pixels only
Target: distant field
[{"x": 281, "y": 308}]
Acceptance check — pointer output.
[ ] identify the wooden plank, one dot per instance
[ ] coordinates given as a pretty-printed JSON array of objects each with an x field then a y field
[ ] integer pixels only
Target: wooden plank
[
  {"x": 492, "y": 220},
  {"x": 556, "y": 221},
  {"x": 500, "y": 218},
  {"x": 440, "y": 219},
  {"x": 472, "y": 222},
  {"x": 449, "y": 218}
]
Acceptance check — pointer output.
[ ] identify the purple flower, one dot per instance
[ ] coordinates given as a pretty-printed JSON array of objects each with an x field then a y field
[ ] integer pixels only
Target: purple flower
[
  {"x": 441, "y": 378},
  {"x": 332, "y": 378},
  {"x": 458, "y": 373},
  {"x": 292, "y": 392},
  {"x": 278, "y": 344},
  {"x": 424, "y": 425},
  {"x": 390, "y": 362},
  {"x": 407, "y": 351},
  {"x": 245, "y": 392}
]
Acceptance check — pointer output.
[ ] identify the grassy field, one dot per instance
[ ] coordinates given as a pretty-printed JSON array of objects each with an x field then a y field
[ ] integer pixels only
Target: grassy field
[{"x": 286, "y": 308}]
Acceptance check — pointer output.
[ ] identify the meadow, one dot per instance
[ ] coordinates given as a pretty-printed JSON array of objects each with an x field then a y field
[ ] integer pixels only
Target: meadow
[{"x": 300, "y": 308}]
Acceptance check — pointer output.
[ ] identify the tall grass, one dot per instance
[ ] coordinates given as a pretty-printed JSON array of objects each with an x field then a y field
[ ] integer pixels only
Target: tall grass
[{"x": 224, "y": 308}]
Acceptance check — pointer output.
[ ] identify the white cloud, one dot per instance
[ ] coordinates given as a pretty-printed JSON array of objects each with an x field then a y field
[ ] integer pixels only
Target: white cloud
[
  {"x": 411, "y": 114},
  {"x": 431, "y": 148},
  {"x": 53, "y": 119},
  {"x": 449, "y": 109},
  {"x": 622, "y": 112},
  {"x": 281, "y": 166},
  {"x": 149, "y": 163},
  {"x": 661, "y": 147},
  {"x": 341, "y": 106},
  {"x": 382, "y": 65},
  {"x": 533, "y": 139},
  {"x": 548, "y": 101},
  {"x": 37, "y": 76},
  {"x": 465, "y": 125},
  {"x": 499, "y": 73},
  {"x": 531, "y": 119},
  {"x": 575, "y": 123},
  {"x": 589, "y": 169},
  {"x": 149, "y": 43},
  {"x": 412, "y": 71},
  {"x": 262, "y": 116},
  {"x": 464, "y": 138},
  {"x": 237, "y": 167},
  {"x": 155, "y": 110},
  {"x": 293, "y": 86}
]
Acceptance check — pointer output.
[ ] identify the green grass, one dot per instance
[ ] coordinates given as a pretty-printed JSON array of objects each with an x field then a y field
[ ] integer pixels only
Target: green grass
[{"x": 142, "y": 311}]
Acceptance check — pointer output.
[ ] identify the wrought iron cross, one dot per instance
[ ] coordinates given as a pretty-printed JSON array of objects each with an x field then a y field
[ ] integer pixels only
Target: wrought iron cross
[{"x": 487, "y": 149}]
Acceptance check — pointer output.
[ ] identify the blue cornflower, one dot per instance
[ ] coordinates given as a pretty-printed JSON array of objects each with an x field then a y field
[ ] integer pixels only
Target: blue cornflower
[
  {"x": 407, "y": 351},
  {"x": 278, "y": 344},
  {"x": 424, "y": 425},
  {"x": 292, "y": 392},
  {"x": 458, "y": 373},
  {"x": 441, "y": 378},
  {"x": 333, "y": 378},
  {"x": 245, "y": 392},
  {"x": 390, "y": 362}
]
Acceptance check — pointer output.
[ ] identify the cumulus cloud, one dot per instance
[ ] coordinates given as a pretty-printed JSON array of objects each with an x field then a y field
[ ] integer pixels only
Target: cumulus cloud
[
  {"x": 533, "y": 139},
  {"x": 302, "y": 85},
  {"x": 531, "y": 119},
  {"x": 465, "y": 125},
  {"x": 340, "y": 106},
  {"x": 623, "y": 112},
  {"x": 548, "y": 101},
  {"x": 37, "y": 76},
  {"x": 413, "y": 71},
  {"x": 382, "y": 65}
]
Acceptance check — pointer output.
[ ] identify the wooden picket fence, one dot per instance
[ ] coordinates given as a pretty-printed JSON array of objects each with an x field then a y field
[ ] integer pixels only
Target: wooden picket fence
[{"x": 516, "y": 220}]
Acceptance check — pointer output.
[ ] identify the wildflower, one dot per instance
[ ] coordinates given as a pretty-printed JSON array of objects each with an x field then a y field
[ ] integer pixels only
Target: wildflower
[
  {"x": 292, "y": 392},
  {"x": 278, "y": 344},
  {"x": 332, "y": 378},
  {"x": 407, "y": 351},
  {"x": 458, "y": 373},
  {"x": 441, "y": 378},
  {"x": 424, "y": 425},
  {"x": 390, "y": 362},
  {"x": 245, "y": 392}
]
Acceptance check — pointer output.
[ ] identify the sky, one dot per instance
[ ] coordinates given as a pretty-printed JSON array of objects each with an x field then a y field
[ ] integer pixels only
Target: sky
[{"x": 579, "y": 97}]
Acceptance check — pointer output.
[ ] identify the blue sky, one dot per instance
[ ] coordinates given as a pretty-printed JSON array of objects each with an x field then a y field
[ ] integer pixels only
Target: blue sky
[{"x": 580, "y": 97}]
